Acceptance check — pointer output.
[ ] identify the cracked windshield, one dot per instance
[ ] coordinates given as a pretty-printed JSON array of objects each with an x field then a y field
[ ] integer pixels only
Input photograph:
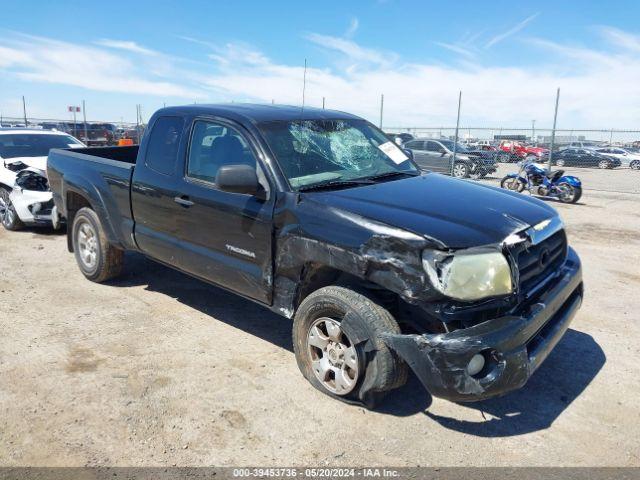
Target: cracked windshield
[{"x": 315, "y": 153}]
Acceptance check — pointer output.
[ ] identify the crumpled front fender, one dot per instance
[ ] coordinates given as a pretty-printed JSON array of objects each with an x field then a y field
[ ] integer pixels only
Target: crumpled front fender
[{"x": 514, "y": 346}]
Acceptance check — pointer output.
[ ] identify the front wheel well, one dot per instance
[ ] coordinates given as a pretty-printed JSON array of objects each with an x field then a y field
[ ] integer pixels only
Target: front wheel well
[{"x": 411, "y": 318}]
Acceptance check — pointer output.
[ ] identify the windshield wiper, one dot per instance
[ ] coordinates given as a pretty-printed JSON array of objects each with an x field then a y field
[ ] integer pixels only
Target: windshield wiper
[
  {"x": 392, "y": 174},
  {"x": 336, "y": 183}
]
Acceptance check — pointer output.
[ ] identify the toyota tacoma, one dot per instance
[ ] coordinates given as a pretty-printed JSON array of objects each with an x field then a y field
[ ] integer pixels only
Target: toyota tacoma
[{"x": 318, "y": 216}]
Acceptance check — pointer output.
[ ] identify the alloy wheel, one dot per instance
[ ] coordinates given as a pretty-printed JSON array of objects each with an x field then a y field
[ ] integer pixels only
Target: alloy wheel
[
  {"x": 7, "y": 214},
  {"x": 88, "y": 245},
  {"x": 459, "y": 170},
  {"x": 334, "y": 359}
]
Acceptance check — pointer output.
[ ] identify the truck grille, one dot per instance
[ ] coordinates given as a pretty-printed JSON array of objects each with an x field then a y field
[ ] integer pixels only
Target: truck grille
[{"x": 537, "y": 262}]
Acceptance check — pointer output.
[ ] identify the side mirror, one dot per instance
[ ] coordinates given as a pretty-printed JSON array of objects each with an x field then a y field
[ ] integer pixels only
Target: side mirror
[{"x": 238, "y": 179}]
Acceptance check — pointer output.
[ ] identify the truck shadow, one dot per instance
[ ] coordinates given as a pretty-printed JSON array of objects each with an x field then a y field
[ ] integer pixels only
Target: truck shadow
[
  {"x": 245, "y": 315},
  {"x": 565, "y": 374},
  {"x": 208, "y": 299},
  {"x": 573, "y": 364}
]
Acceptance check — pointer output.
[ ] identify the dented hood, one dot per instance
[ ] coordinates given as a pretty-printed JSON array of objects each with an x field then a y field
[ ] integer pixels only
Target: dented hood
[
  {"x": 36, "y": 162},
  {"x": 457, "y": 213}
]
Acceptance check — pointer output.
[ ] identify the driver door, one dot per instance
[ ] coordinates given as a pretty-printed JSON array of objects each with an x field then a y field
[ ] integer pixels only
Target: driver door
[
  {"x": 225, "y": 237},
  {"x": 437, "y": 157}
]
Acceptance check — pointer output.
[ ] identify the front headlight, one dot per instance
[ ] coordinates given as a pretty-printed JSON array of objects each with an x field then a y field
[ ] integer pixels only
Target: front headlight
[{"x": 468, "y": 276}]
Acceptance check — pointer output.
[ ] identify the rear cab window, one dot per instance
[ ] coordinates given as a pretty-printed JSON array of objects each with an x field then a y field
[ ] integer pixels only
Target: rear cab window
[{"x": 162, "y": 150}]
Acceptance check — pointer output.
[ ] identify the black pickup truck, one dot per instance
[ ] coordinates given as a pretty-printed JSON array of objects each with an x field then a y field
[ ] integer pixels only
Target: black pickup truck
[{"x": 316, "y": 215}]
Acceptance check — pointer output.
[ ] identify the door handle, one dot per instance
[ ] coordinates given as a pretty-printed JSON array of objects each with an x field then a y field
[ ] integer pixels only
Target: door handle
[{"x": 184, "y": 201}]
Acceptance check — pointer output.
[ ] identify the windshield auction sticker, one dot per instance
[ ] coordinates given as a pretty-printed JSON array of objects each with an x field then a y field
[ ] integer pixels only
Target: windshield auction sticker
[{"x": 392, "y": 151}]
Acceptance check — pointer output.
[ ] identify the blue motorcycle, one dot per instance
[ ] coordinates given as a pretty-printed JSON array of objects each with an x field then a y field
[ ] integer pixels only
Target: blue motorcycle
[{"x": 539, "y": 181}]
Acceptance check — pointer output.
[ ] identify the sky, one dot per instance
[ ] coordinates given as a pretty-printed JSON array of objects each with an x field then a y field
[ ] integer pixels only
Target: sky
[{"x": 507, "y": 58}]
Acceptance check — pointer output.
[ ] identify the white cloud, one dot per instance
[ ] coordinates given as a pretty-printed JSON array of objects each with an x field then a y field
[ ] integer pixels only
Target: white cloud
[
  {"x": 126, "y": 45},
  {"x": 353, "y": 52},
  {"x": 456, "y": 49},
  {"x": 599, "y": 85},
  {"x": 512, "y": 31},
  {"x": 44, "y": 60},
  {"x": 625, "y": 40},
  {"x": 353, "y": 28}
]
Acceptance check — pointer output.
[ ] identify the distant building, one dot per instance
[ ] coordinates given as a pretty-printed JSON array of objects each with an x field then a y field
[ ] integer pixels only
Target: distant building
[
  {"x": 560, "y": 139},
  {"x": 515, "y": 138}
]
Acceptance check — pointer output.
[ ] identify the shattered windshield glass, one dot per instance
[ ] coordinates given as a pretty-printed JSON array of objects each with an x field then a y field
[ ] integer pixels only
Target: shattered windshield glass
[{"x": 314, "y": 152}]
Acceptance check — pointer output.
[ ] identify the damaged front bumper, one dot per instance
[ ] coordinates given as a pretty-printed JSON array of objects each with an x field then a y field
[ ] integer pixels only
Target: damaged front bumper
[
  {"x": 513, "y": 346},
  {"x": 33, "y": 207}
]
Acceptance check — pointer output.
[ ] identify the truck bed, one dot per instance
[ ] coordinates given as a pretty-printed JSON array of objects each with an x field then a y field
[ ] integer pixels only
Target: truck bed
[
  {"x": 120, "y": 154},
  {"x": 102, "y": 175}
]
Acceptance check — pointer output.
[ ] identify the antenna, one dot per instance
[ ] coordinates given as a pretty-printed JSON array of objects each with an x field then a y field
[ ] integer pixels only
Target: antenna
[{"x": 304, "y": 84}]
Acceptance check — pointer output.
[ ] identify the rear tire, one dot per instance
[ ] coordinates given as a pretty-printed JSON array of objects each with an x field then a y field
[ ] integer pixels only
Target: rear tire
[
  {"x": 604, "y": 164},
  {"x": 574, "y": 196},
  {"x": 635, "y": 165},
  {"x": 98, "y": 260},
  {"x": 560, "y": 162},
  {"x": 322, "y": 336},
  {"x": 8, "y": 215}
]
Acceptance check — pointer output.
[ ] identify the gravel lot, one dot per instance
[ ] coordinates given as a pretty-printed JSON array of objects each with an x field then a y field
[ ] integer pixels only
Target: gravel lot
[{"x": 159, "y": 369}]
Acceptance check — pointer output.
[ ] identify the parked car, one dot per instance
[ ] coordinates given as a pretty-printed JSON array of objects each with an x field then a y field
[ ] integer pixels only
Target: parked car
[
  {"x": 583, "y": 145},
  {"x": 400, "y": 138},
  {"x": 437, "y": 156},
  {"x": 319, "y": 217},
  {"x": 25, "y": 198},
  {"x": 93, "y": 134},
  {"x": 518, "y": 151},
  {"x": 583, "y": 157},
  {"x": 626, "y": 157}
]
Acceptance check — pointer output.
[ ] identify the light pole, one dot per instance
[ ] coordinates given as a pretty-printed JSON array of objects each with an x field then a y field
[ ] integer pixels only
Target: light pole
[{"x": 533, "y": 132}]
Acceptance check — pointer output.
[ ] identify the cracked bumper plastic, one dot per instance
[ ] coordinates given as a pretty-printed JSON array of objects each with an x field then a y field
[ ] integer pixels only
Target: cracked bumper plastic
[{"x": 514, "y": 346}]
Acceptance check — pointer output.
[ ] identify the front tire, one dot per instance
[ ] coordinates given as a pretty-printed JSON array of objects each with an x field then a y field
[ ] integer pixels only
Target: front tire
[
  {"x": 8, "y": 215},
  {"x": 635, "y": 165},
  {"x": 560, "y": 162},
  {"x": 460, "y": 170},
  {"x": 98, "y": 260},
  {"x": 337, "y": 340},
  {"x": 513, "y": 184}
]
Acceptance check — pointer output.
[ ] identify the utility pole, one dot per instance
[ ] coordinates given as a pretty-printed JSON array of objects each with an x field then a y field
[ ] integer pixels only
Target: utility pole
[
  {"x": 533, "y": 132},
  {"x": 455, "y": 140},
  {"x": 381, "y": 108},
  {"x": 24, "y": 111},
  {"x": 323, "y": 103},
  {"x": 553, "y": 132},
  {"x": 84, "y": 116},
  {"x": 138, "y": 122}
]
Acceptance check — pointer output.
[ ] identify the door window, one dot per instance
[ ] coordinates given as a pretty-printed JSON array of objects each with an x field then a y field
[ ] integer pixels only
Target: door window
[
  {"x": 414, "y": 145},
  {"x": 214, "y": 145},
  {"x": 434, "y": 147}
]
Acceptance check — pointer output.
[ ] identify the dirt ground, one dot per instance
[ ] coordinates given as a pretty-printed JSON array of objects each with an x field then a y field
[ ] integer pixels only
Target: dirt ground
[{"x": 158, "y": 369}]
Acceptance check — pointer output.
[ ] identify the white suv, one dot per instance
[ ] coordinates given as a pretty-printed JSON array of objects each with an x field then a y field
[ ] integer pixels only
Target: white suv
[{"x": 25, "y": 198}]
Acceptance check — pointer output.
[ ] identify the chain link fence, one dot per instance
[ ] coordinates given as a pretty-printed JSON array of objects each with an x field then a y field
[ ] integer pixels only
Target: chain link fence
[
  {"x": 94, "y": 133},
  {"x": 606, "y": 160}
]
